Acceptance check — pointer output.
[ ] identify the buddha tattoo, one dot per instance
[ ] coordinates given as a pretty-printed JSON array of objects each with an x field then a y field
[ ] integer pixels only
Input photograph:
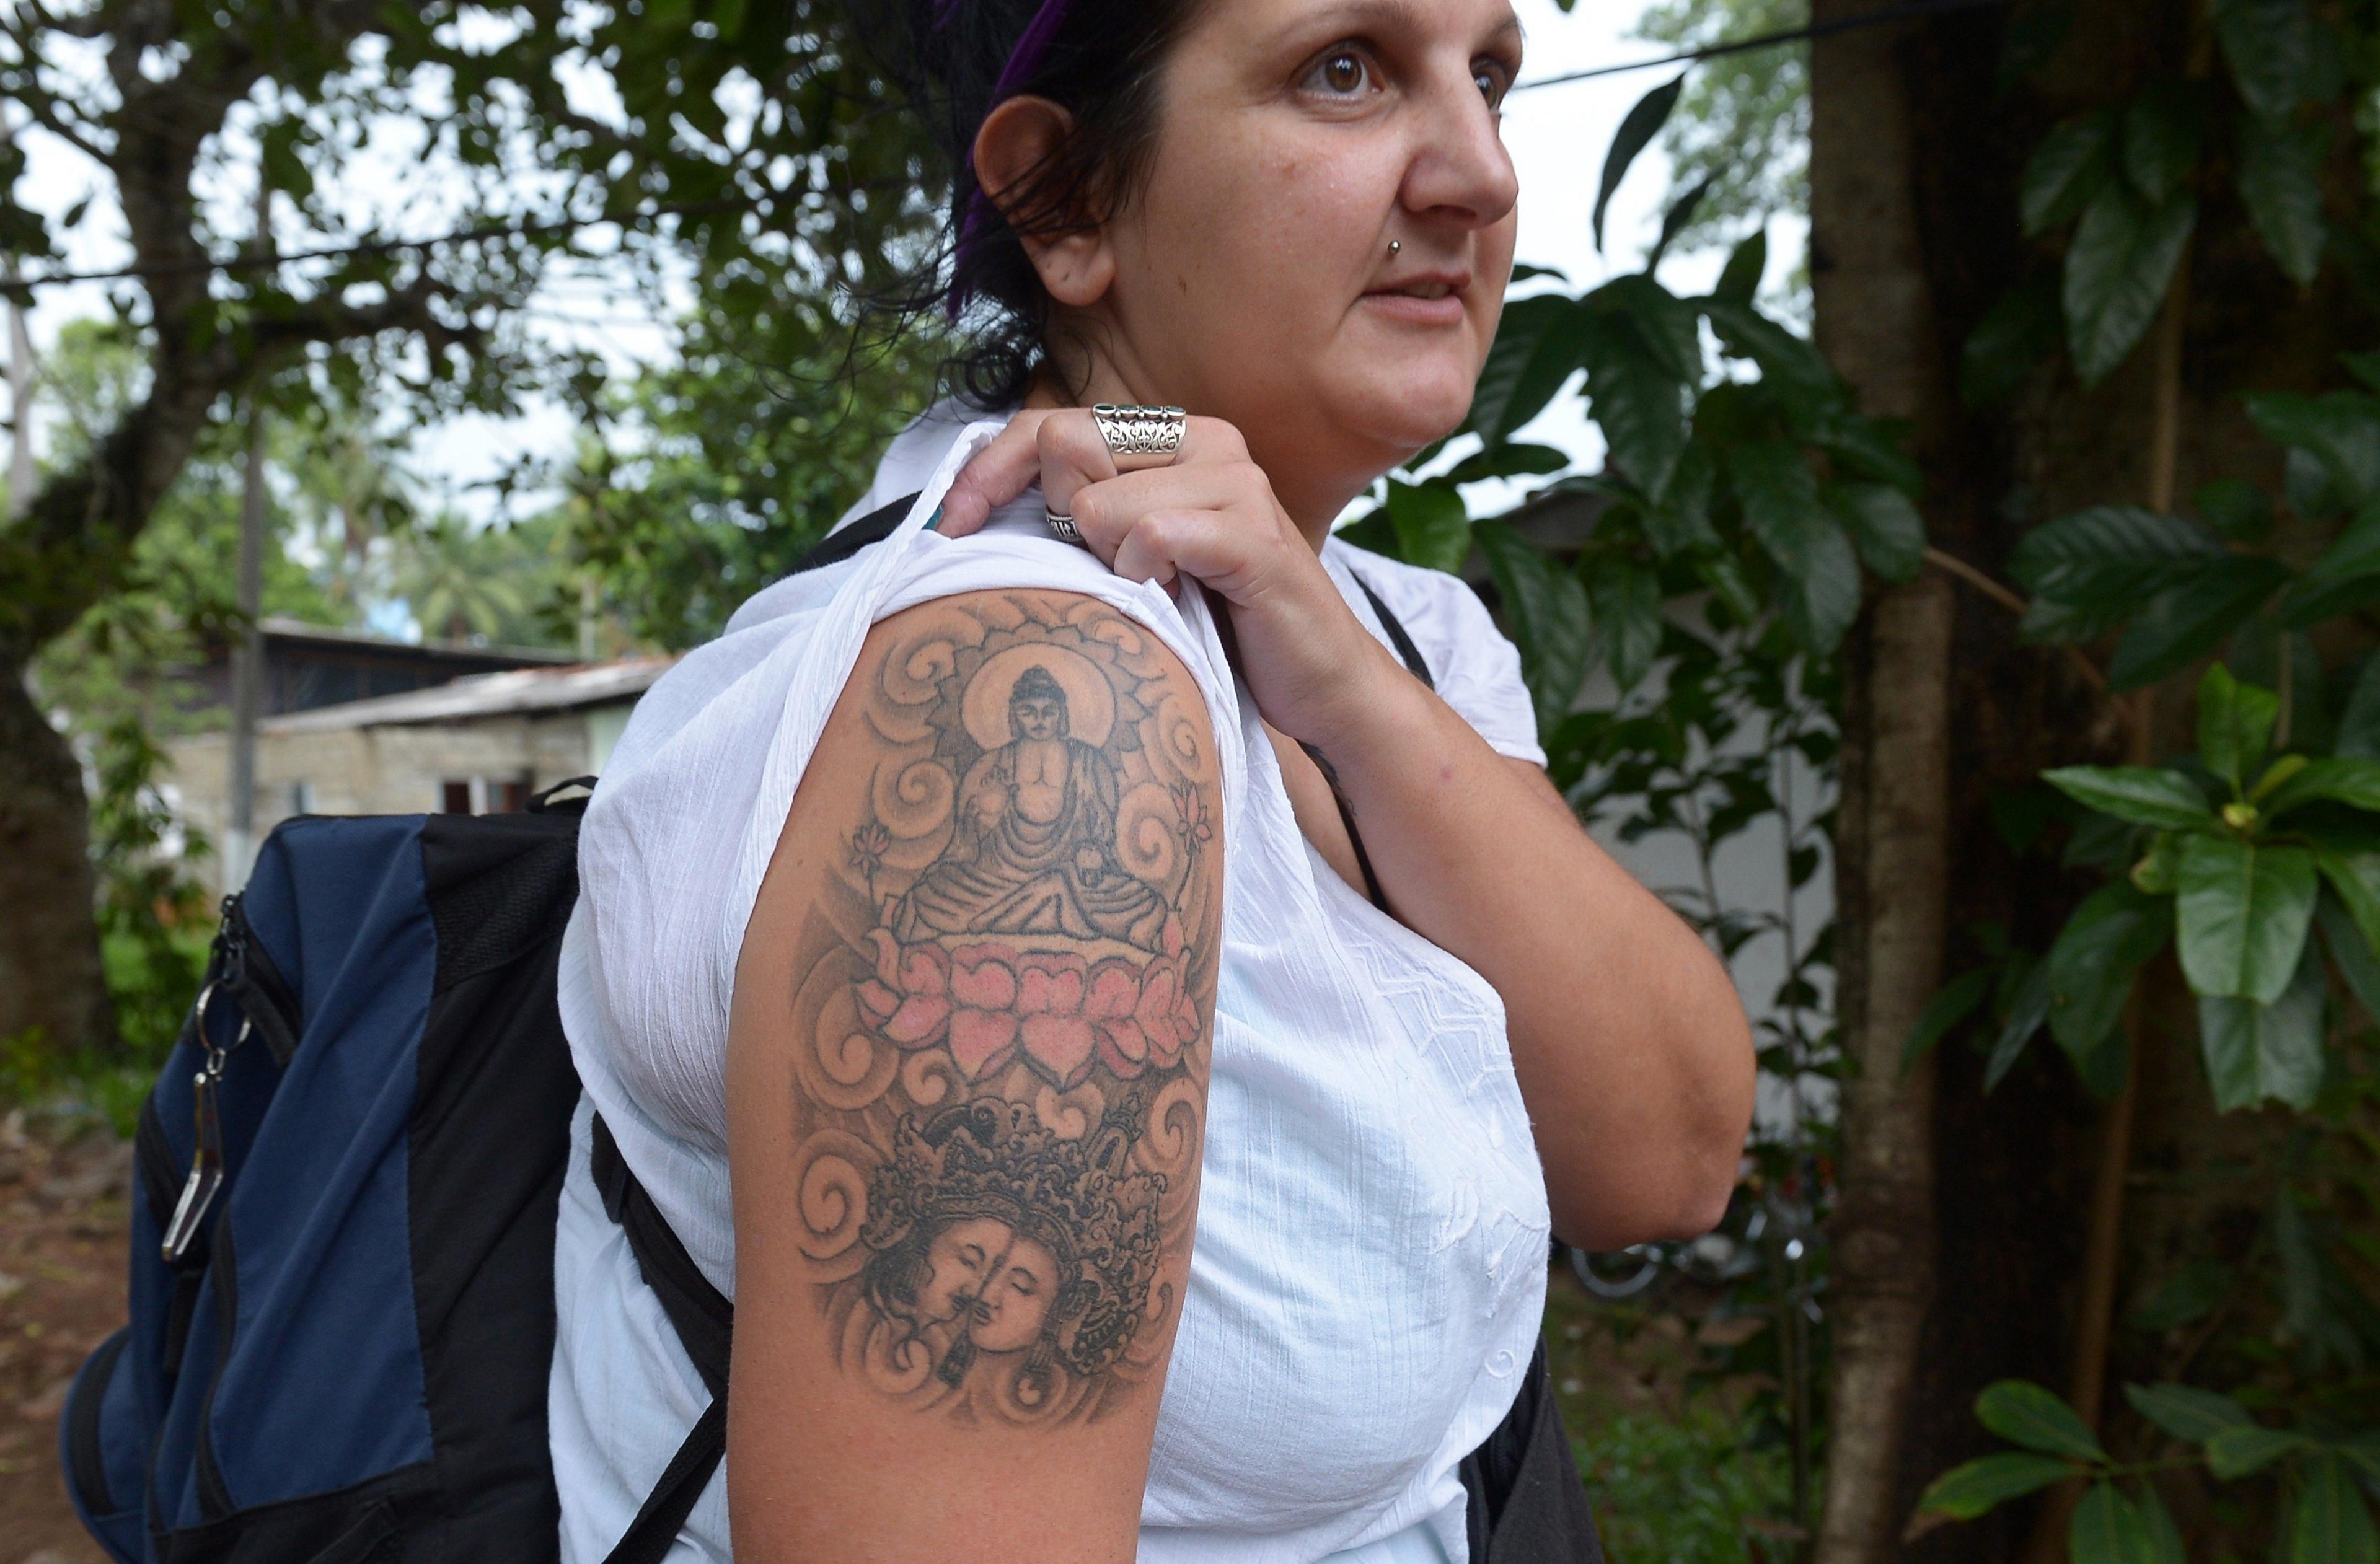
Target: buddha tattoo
[{"x": 1001, "y": 1063}]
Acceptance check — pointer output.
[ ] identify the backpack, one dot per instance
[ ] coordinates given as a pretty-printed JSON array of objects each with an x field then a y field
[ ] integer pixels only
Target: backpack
[{"x": 342, "y": 1274}]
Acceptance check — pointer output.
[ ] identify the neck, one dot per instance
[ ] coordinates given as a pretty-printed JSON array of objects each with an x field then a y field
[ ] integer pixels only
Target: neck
[{"x": 1313, "y": 498}]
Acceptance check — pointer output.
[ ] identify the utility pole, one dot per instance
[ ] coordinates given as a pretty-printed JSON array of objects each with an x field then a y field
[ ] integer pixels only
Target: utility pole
[{"x": 248, "y": 658}]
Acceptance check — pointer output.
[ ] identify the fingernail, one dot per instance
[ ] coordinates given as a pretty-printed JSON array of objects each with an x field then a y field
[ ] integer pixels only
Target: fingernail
[{"x": 934, "y": 522}]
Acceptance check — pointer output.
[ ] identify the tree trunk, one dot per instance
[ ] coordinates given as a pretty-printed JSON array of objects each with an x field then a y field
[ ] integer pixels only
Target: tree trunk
[
  {"x": 51, "y": 986},
  {"x": 1875, "y": 320}
]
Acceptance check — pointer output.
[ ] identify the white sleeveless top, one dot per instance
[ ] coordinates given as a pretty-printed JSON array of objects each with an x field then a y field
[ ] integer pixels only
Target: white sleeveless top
[{"x": 1368, "y": 1272}]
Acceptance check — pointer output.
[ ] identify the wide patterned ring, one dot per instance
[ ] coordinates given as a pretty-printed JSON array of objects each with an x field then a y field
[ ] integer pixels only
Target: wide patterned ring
[{"x": 1141, "y": 437}]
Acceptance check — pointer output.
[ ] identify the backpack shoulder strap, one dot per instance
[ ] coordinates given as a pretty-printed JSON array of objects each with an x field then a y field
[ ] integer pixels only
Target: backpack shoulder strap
[
  {"x": 705, "y": 1322},
  {"x": 845, "y": 541},
  {"x": 1398, "y": 638}
]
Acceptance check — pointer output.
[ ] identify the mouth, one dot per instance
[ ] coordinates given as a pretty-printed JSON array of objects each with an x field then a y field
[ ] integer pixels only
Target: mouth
[{"x": 1424, "y": 299}]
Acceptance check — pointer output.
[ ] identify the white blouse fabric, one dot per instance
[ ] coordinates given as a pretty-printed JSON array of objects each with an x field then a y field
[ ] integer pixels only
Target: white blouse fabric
[{"x": 1369, "y": 1270}]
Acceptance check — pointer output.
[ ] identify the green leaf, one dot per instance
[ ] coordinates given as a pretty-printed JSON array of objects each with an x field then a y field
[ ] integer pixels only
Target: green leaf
[
  {"x": 1546, "y": 608},
  {"x": 2332, "y": 1524},
  {"x": 2355, "y": 878},
  {"x": 2269, "y": 45},
  {"x": 2352, "y": 782},
  {"x": 2359, "y": 724},
  {"x": 2165, "y": 1537},
  {"x": 2340, "y": 429},
  {"x": 2014, "y": 334},
  {"x": 1644, "y": 122},
  {"x": 1667, "y": 328},
  {"x": 2281, "y": 181},
  {"x": 1674, "y": 220},
  {"x": 1965, "y": 1492},
  {"x": 1739, "y": 281},
  {"x": 2161, "y": 139},
  {"x": 2238, "y": 1452},
  {"x": 1680, "y": 520},
  {"x": 2253, "y": 1051},
  {"x": 2092, "y": 569},
  {"x": 2072, "y": 163},
  {"x": 2235, "y": 724},
  {"x": 1537, "y": 345},
  {"x": 2184, "y": 623},
  {"x": 1795, "y": 367},
  {"x": 2023, "y": 1413},
  {"x": 1862, "y": 447},
  {"x": 2148, "y": 796},
  {"x": 2028, "y": 1008},
  {"x": 2093, "y": 960},
  {"x": 1958, "y": 999},
  {"x": 2345, "y": 579},
  {"x": 1627, "y": 605},
  {"x": 1513, "y": 459},
  {"x": 1433, "y": 529},
  {"x": 2190, "y": 1414},
  {"x": 2107, "y": 1529},
  {"x": 2352, "y": 952},
  {"x": 2364, "y": 366},
  {"x": 1638, "y": 403},
  {"x": 1884, "y": 526},
  {"x": 2241, "y": 912},
  {"x": 2117, "y": 270},
  {"x": 1819, "y": 575}
]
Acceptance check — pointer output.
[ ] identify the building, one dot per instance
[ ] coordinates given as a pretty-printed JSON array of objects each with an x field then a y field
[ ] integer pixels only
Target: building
[
  {"x": 307, "y": 665},
  {"x": 479, "y": 744}
]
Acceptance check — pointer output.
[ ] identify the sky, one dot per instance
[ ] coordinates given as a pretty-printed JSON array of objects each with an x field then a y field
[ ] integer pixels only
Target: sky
[{"x": 1558, "y": 135}]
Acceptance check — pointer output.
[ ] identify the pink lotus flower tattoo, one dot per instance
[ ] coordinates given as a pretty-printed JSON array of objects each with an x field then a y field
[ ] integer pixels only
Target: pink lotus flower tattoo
[{"x": 1059, "y": 1011}]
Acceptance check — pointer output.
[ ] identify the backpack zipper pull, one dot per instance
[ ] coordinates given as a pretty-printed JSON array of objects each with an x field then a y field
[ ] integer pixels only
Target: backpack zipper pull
[{"x": 206, "y": 1178}]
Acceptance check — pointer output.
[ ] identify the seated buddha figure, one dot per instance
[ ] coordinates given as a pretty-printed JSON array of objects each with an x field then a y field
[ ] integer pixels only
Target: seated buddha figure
[{"x": 1033, "y": 850}]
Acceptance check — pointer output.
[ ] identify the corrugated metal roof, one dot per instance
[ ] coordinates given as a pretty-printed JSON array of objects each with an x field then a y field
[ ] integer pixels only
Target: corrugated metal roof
[{"x": 485, "y": 695}]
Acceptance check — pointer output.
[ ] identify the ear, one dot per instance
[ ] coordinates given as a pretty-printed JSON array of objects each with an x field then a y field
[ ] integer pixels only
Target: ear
[{"x": 1016, "y": 136}]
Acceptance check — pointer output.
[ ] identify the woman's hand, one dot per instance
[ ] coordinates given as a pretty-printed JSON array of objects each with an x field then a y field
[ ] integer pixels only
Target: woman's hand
[{"x": 1210, "y": 515}]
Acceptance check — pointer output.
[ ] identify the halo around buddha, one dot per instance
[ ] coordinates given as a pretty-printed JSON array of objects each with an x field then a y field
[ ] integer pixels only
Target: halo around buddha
[{"x": 1090, "y": 703}]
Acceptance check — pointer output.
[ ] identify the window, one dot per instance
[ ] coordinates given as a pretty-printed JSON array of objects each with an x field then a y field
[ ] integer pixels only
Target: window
[{"x": 483, "y": 795}]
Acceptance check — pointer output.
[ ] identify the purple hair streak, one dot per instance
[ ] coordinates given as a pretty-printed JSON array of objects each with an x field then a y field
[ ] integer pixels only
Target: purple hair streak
[{"x": 1023, "y": 60}]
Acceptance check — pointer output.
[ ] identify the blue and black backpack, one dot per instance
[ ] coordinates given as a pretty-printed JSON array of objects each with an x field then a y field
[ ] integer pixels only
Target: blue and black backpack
[{"x": 343, "y": 1227}]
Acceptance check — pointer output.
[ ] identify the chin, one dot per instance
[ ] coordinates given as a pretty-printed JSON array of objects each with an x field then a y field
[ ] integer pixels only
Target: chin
[{"x": 1413, "y": 405}]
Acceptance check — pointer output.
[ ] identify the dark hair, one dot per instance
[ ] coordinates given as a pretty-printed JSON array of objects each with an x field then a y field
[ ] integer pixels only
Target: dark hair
[{"x": 1101, "y": 64}]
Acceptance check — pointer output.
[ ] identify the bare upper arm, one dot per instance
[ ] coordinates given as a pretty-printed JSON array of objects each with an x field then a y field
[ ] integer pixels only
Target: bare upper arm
[{"x": 966, "y": 1083}]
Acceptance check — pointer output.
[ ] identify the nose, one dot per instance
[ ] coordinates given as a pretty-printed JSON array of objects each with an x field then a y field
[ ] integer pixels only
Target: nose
[{"x": 1460, "y": 171}]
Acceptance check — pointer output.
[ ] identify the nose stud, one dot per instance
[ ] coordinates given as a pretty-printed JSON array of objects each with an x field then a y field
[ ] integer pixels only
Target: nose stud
[{"x": 1394, "y": 247}]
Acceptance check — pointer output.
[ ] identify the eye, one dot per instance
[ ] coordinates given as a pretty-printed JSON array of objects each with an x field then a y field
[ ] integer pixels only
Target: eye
[
  {"x": 1493, "y": 80},
  {"x": 1343, "y": 72}
]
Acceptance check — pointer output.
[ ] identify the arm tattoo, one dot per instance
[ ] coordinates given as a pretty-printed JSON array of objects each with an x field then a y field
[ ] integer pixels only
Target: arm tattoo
[{"x": 1000, "y": 1063}]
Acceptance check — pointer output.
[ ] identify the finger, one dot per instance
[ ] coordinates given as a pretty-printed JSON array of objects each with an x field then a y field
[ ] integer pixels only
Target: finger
[
  {"x": 1073, "y": 456},
  {"x": 1213, "y": 545},
  {"x": 1104, "y": 510},
  {"x": 995, "y": 475}
]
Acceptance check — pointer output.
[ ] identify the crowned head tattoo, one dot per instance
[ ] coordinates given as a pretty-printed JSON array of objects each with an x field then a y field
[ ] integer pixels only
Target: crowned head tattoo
[{"x": 993, "y": 1237}]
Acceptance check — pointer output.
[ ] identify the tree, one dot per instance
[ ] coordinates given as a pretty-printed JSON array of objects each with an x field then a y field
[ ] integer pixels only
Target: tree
[{"x": 732, "y": 146}]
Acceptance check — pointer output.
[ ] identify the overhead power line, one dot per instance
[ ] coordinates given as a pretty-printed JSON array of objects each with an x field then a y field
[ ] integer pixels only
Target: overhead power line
[
  {"x": 22, "y": 287},
  {"x": 1770, "y": 39}
]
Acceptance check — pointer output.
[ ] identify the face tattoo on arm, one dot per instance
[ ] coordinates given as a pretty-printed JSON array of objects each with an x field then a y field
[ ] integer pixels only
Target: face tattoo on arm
[{"x": 1001, "y": 1009}]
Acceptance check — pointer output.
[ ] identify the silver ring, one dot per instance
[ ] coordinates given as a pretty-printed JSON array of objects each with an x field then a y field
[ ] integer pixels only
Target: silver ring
[
  {"x": 1141, "y": 437},
  {"x": 1063, "y": 525}
]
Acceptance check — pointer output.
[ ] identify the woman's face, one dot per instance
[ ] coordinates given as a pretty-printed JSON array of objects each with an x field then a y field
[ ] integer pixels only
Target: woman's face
[{"x": 1251, "y": 274}]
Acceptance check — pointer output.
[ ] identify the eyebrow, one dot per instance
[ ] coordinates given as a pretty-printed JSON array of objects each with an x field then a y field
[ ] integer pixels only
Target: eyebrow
[{"x": 1362, "y": 15}]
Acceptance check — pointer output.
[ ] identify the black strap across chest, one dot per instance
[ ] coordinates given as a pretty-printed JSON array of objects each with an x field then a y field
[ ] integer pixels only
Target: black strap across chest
[{"x": 1526, "y": 1505}]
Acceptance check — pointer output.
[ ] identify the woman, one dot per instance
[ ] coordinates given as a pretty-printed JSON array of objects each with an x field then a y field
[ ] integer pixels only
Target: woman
[{"x": 909, "y": 975}]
